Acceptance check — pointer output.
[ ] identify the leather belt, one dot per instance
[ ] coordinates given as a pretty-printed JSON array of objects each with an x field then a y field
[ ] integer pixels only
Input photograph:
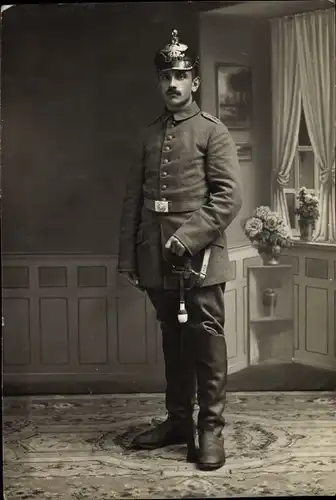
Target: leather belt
[{"x": 164, "y": 206}]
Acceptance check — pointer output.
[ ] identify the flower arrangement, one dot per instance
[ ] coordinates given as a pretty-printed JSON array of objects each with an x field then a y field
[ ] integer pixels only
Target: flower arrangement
[
  {"x": 268, "y": 233},
  {"x": 308, "y": 206}
]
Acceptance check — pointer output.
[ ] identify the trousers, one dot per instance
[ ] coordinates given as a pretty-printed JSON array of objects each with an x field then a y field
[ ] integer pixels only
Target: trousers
[{"x": 195, "y": 354}]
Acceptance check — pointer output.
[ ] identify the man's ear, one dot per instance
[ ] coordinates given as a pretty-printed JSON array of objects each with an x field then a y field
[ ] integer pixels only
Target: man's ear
[{"x": 195, "y": 84}]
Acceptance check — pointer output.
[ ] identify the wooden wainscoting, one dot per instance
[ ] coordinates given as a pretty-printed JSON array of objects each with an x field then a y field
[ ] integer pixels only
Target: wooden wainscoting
[
  {"x": 315, "y": 301},
  {"x": 72, "y": 324}
]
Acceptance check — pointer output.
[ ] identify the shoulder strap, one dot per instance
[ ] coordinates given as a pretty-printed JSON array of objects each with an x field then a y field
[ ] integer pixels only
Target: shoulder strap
[{"x": 210, "y": 117}]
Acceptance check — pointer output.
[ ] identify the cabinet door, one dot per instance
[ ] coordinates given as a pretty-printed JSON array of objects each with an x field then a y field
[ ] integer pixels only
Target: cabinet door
[{"x": 235, "y": 319}]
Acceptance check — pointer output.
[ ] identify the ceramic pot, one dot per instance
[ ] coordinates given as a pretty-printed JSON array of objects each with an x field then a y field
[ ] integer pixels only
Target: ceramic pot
[
  {"x": 270, "y": 298},
  {"x": 306, "y": 229},
  {"x": 268, "y": 257}
]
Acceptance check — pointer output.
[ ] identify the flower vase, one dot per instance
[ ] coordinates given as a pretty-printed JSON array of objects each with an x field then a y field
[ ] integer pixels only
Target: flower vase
[
  {"x": 269, "y": 258},
  {"x": 270, "y": 298},
  {"x": 306, "y": 229}
]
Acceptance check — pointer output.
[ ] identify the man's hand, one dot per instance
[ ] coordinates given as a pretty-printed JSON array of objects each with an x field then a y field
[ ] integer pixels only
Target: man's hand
[{"x": 175, "y": 246}]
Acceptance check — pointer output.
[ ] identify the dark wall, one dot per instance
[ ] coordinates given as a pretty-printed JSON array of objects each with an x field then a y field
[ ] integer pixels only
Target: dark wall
[{"x": 77, "y": 85}]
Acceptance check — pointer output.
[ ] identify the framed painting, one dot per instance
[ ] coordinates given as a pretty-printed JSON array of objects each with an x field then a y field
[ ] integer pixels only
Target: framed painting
[{"x": 234, "y": 95}]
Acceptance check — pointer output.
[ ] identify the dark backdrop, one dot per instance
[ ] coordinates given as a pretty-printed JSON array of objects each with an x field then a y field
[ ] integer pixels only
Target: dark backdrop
[{"x": 77, "y": 85}]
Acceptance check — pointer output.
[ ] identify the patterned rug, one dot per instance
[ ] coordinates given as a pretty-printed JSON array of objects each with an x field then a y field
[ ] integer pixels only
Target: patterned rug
[{"x": 74, "y": 448}]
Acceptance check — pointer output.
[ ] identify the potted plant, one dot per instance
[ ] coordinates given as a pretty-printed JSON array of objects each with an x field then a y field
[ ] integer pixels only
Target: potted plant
[
  {"x": 268, "y": 233},
  {"x": 308, "y": 211}
]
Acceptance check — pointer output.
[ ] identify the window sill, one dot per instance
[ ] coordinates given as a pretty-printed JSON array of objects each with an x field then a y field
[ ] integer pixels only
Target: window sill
[{"x": 314, "y": 245}]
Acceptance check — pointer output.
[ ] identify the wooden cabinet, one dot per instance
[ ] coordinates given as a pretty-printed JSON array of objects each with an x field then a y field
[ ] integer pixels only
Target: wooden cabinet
[{"x": 315, "y": 303}]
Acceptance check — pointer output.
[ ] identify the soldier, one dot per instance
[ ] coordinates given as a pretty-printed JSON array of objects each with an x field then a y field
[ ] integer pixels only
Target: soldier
[{"x": 182, "y": 194}]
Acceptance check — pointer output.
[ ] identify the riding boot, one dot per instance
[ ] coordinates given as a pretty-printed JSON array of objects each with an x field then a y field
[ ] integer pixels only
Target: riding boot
[
  {"x": 206, "y": 329},
  {"x": 180, "y": 383},
  {"x": 212, "y": 375}
]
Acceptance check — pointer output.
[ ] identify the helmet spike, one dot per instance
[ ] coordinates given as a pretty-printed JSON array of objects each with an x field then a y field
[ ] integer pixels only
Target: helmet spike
[{"x": 175, "y": 55}]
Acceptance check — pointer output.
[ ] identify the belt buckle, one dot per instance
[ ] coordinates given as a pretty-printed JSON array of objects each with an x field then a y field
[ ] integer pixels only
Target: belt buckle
[{"x": 161, "y": 206}]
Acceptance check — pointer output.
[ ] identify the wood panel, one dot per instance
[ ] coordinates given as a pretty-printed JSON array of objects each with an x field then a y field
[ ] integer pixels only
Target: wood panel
[
  {"x": 54, "y": 331},
  {"x": 132, "y": 330},
  {"x": 93, "y": 330},
  {"x": 245, "y": 314},
  {"x": 315, "y": 307},
  {"x": 296, "y": 317},
  {"x": 316, "y": 320},
  {"x": 16, "y": 340},
  {"x": 52, "y": 276},
  {"x": 77, "y": 325},
  {"x": 15, "y": 276},
  {"x": 89, "y": 330},
  {"x": 334, "y": 325},
  {"x": 231, "y": 333},
  {"x": 236, "y": 309},
  {"x": 316, "y": 268},
  {"x": 82, "y": 326}
]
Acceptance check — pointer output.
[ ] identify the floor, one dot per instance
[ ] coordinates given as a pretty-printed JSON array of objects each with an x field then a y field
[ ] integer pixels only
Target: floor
[
  {"x": 78, "y": 448},
  {"x": 282, "y": 377}
]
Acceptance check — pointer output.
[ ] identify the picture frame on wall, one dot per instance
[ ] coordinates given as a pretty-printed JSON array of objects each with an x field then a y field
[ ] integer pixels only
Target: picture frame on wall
[
  {"x": 234, "y": 95},
  {"x": 244, "y": 151}
]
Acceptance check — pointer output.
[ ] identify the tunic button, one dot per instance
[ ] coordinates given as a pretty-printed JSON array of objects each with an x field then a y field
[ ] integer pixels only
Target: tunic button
[
  {"x": 164, "y": 199},
  {"x": 170, "y": 137},
  {"x": 167, "y": 148},
  {"x": 164, "y": 174},
  {"x": 164, "y": 186},
  {"x": 165, "y": 160}
]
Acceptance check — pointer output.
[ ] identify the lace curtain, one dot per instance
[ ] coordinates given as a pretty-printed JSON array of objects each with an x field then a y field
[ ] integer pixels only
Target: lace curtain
[
  {"x": 315, "y": 36},
  {"x": 303, "y": 70},
  {"x": 286, "y": 109}
]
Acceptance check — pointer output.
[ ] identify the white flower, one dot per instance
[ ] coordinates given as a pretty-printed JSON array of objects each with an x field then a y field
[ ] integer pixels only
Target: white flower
[
  {"x": 261, "y": 212},
  {"x": 253, "y": 227},
  {"x": 272, "y": 221},
  {"x": 283, "y": 231}
]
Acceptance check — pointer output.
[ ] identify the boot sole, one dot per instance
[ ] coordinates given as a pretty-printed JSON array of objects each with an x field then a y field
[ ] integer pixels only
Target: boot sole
[
  {"x": 210, "y": 467},
  {"x": 138, "y": 446}
]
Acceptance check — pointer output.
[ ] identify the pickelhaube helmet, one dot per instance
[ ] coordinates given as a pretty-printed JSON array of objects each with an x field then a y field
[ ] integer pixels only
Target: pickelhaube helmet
[{"x": 175, "y": 55}]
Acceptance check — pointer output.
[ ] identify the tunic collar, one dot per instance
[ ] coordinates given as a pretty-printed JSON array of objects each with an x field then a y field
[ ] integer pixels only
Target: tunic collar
[{"x": 184, "y": 114}]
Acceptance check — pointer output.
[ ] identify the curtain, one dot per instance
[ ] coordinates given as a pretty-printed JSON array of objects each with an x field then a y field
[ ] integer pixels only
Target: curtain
[
  {"x": 286, "y": 109},
  {"x": 315, "y": 35}
]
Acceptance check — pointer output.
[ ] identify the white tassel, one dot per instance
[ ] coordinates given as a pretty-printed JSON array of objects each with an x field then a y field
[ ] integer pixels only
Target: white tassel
[{"x": 182, "y": 314}]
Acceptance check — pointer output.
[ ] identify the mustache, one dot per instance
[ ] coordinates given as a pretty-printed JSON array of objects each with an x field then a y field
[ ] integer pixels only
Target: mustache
[{"x": 173, "y": 92}]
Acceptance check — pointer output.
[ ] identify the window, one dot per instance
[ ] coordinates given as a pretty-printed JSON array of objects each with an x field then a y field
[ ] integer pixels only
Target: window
[{"x": 304, "y": 172}]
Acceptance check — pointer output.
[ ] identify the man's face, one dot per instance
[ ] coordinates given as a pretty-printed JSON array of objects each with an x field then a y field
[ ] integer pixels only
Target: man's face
[{"x": 176, "y": 87}]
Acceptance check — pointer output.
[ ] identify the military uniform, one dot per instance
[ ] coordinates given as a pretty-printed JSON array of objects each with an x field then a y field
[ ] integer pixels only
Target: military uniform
[
  {"x": 186, "y": 183},
  {"x": 189, "y": 160}
]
